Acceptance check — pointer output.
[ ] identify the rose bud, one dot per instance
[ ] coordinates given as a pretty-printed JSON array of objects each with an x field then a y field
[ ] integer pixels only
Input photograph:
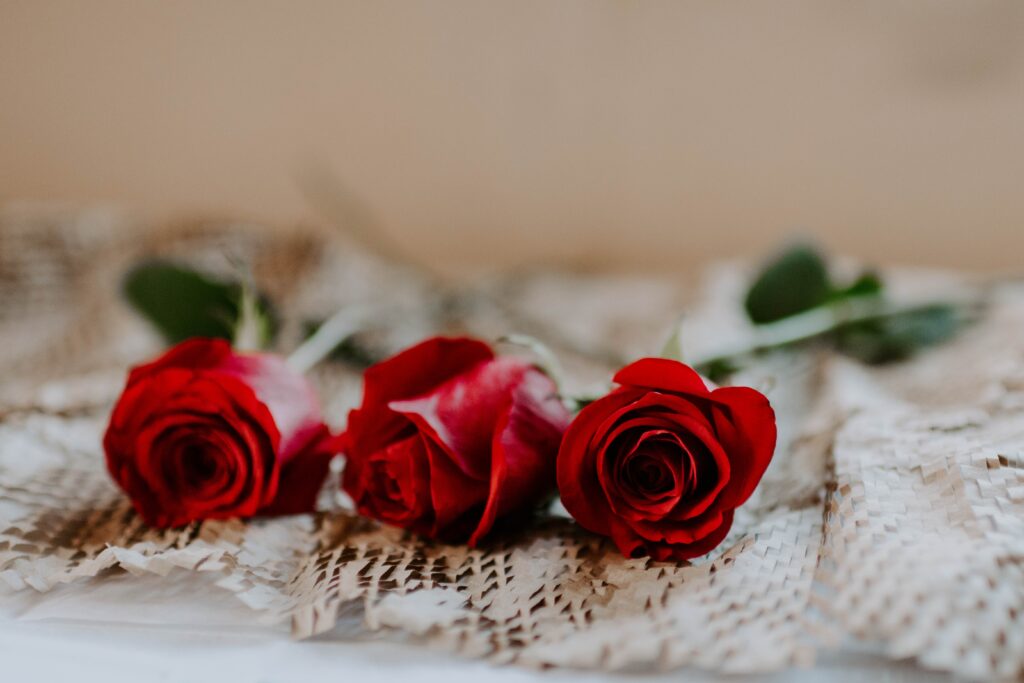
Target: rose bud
[
  {"x": 205, "y": 432},
  {"x": 450, "y": 438},
  {"x": 661, "y": 462}
]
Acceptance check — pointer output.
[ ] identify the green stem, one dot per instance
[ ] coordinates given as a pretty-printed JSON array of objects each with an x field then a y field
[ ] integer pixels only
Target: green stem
[
  {"x": 250, "y": 330},
  {"x": 332, "y": 332},
  {"x": 815, "y": 324}
]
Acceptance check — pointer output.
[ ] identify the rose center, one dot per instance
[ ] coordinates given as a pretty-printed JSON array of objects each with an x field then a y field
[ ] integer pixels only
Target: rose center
[
  {"x": 386, "y": 482},
  {"x": 200, "y": 464},
  {"x": 649, "y": 473},
  {"x": 393, "y": 484},
  {"x": 656, "y": 469}
]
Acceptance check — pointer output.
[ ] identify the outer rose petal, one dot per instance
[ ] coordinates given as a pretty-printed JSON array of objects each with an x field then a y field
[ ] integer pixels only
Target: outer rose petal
[
  {"x": 140, "y": 401},
  {"x": 420, "y": 368},
  {"x": 689, "y": 551},
  {"x": 688, "y": 531},
  {"x": 369, "y": 430},
  {"x": 576, "y": 467},
  {"x": 631, "y": 544},
  {"x": 303, "y": 475},
  {"x": 192, "y": 354},
  {"x": 524, "y": 447},
  {"x": 457, "y": 499},
  {"x": 745, "y": 422},
  {"x": 462, "y": 414},
  {"x": 411, "y": 373},
  {"x": 662, "y": 374},
  {"x": 287, "y": 394}
]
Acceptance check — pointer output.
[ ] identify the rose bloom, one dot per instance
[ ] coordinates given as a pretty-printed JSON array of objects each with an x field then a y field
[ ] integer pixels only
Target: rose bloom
[
  {"x": 206, "y": 432},
  {"x": 661, "y": 462},
  {"x": 449, "y": 439}
]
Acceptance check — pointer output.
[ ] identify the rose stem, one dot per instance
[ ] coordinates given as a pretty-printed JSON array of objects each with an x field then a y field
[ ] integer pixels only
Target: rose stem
[
  {"x": 332, "y": 332},
  {"x": 820, "y": 322}
]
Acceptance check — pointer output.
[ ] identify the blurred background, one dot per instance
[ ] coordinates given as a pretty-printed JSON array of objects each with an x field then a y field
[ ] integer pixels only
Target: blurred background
[{"x": 607, "y": 134}]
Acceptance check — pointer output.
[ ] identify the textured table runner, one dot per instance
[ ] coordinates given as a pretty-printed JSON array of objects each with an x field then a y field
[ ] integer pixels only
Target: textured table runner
[{"x": 893, "y": 511}]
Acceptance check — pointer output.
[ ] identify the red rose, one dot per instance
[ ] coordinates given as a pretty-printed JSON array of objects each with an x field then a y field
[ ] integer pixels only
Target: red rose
[
  {"x": 661, "y": 463},
  {"x": 450, "y": 438},
  {"x": 205, "y": 432}
]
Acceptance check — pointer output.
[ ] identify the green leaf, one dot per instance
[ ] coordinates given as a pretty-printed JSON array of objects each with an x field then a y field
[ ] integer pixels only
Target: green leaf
[
  {"x": 182, "y": 302},
  {"x": 899, "y": 336},
  {"x": 793, "y": 282}
]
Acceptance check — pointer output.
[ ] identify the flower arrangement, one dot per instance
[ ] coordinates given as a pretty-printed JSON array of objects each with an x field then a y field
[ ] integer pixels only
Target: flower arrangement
[{"x": 457, "y": 442}]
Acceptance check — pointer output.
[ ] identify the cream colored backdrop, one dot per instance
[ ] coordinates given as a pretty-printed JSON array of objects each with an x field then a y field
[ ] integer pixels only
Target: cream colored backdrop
[{"x": 606, "y": 133}]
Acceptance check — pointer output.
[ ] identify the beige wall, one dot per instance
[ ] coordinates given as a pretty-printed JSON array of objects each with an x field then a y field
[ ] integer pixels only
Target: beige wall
[{"x": 607, "y": 132}]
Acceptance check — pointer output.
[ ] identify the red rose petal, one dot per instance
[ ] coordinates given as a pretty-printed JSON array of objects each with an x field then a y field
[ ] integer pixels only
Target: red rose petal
[
  {"x": 193, "y": 354},
  {"x": 633, "y": 545},
  {"x": 626, "y": 540},
  {"x": 668, "y": 411},
  {"x": 657, "y": 407},
  {"x": 671, "y": 531},
  {"x": 462, "y": 413},
  {"x": 726, "y": 435},
  {"x": 288, "y": 396},
  {"x": 623, "y": 495},
  {"x": 524, "y": 449},
  {"x": 371, "y": 429},
  {"x": 419, "y": 369},
  {"x": 576, "y": 467},
  {"x": 409, "y": 374},
  {"x": 745, "y": 423},
  {"x": 303, "y": 475},
  {"x": 689, "y": 551},
  {"x": 203, "y": 432},
  {"x": 395, "y": 485},
  {"x": 453, "y": 494},
  {"x": 482, "y": 446},
  {"x": 662, "y": 374}
]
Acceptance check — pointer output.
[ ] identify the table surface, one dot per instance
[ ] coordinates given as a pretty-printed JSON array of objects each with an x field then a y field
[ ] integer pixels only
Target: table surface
[
  {"x": 931, "y": 484},
  {"x": 182, "y": 628}
]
